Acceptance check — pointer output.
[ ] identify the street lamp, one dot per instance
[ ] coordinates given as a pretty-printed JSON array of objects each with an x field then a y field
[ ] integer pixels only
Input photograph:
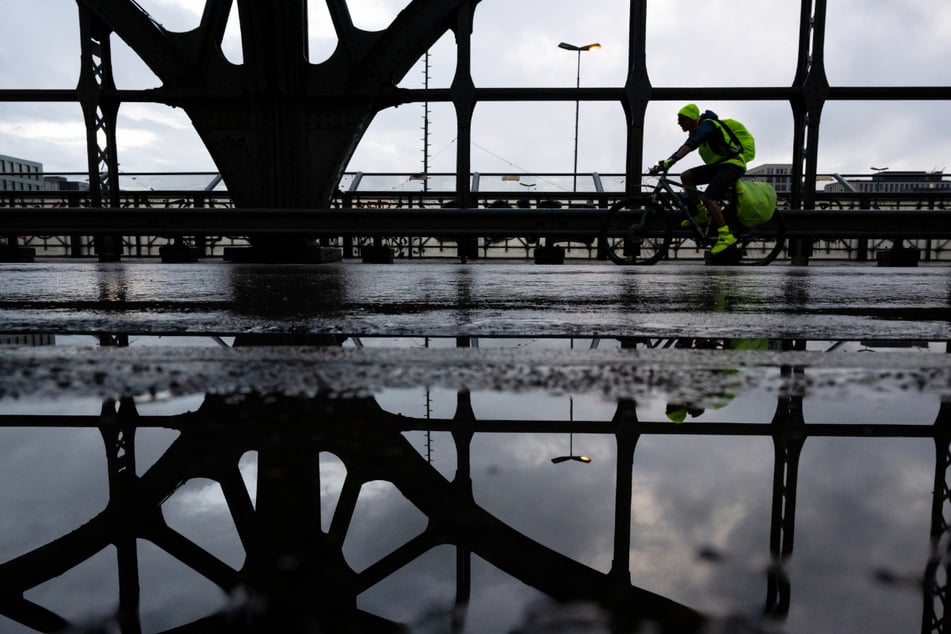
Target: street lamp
[
  {"x": 565, "y": 458},
  {"x": 571, "y": 450},
  {"x": 578, "y": 49},
  {"x": 571, "y": 454},
  {"x": 878, "y": 171}
]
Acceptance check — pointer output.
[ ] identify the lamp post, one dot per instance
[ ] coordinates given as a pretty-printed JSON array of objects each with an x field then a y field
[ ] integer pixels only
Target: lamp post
[
  {"x": 878, "y": 171},
  {"x": 579, "y": 50},
  {"x": 571, "y": 448}
]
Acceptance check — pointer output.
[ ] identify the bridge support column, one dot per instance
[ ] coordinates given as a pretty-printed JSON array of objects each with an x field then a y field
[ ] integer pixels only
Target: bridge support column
[
  {"x": 463, "y": 431},
  {"x": 376, "y": 253},
  {"x": 12, "y": 252},
  {"x": 898, "y": 255},
  {"x": 549, "y": 254},
  {"x": 935, "y": 615},
  {"x": 812, "y": 90},
  {"x": 788, "y": 440},
  {"x": 118, "y": 435},
  {"x": 625, "y": 421},
  {"x": 100, "y": 111}
]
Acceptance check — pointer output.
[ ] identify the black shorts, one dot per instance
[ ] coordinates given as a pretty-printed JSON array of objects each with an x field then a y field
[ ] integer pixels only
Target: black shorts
[{"x": 720, "y": 176}]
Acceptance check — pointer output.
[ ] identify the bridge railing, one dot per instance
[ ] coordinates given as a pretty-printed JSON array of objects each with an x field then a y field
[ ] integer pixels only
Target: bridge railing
[{"x": 544, "y": 193}]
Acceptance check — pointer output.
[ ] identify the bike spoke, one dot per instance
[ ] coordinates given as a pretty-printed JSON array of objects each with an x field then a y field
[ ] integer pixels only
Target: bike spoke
[
  {"x": 635, "y": 235},
  {"x": 764, "y": 243}
]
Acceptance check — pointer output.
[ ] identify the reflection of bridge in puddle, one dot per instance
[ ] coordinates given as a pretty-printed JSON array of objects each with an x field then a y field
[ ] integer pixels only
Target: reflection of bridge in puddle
[{"x": 330, "y": 547}]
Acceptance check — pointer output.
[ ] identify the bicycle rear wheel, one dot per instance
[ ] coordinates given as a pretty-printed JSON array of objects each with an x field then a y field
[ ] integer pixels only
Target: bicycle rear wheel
[
  {"x": 632, "y": 234},
  {"x": 763, "y": 243}
]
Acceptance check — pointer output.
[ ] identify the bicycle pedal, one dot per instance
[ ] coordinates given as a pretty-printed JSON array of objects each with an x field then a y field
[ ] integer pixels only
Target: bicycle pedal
[{"x": 634, "y": 236}]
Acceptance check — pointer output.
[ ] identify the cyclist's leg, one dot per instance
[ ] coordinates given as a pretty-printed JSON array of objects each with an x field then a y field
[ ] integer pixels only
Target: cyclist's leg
[
  {"x": 700, "y": 175},
  {"x": 691, "y": 178},
  {"x": 724, "y": 178},
  {"x": 722, "y": 181}
]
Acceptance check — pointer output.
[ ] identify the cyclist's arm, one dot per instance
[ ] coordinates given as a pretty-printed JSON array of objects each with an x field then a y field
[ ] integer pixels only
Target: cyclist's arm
[
  {"x": 704, "y": 130},
  {"x": 681, "y": 152}
]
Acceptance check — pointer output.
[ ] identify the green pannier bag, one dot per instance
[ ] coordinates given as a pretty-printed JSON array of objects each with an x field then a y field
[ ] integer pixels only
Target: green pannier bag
[{"x": 755, "y": 202}]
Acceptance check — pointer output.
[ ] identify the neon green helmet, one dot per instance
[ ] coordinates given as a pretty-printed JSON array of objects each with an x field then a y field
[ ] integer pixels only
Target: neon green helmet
[
  {"x": 677, "y": 413},
  {"x": 690, "y": 111}
]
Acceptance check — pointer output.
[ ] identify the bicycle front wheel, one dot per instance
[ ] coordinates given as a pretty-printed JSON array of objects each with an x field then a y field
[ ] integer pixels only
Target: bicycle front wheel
[
  {"x": 632, "y": 234},
  {"x": 763, "y": 243}
]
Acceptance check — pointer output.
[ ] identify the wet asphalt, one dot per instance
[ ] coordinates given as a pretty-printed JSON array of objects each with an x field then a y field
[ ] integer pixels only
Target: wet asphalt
[{"x": 481, "y": 299}]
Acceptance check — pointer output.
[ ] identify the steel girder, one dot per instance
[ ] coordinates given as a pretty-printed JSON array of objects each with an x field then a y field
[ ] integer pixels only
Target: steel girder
[{"x": 279, "y": 128}]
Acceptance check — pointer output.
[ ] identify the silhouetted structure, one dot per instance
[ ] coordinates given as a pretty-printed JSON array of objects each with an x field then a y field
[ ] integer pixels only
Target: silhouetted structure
[
  {"x": 281, "y": 129},
  {"x": 295, "y": 576}
]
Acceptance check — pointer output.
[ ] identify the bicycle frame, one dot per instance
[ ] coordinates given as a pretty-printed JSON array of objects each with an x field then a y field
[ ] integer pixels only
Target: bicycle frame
[
  {"x": 637, "y": 233},
  {"x": 680, "y": 212}
]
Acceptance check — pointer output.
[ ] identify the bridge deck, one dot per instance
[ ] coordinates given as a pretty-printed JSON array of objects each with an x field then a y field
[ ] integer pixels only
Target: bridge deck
[
  {"x": 818, "y": 224},
  {"x": 483, "y": 299},
  {"x": 578, "y": 307}
]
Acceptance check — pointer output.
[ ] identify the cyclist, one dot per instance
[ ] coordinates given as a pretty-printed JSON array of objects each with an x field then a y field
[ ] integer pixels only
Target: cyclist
[{"x": 723, "y": 166}]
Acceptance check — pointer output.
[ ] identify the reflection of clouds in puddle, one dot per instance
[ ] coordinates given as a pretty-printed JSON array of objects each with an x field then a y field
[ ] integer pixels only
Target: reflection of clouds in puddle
[
  {"x": 540, "y": 405},
  {"x": 421, "y": 593},
  {"x": 871, "y": 403},
  {"x": 55, "y": 481},
  {"x": 437, "y": 448},
  {"x": 83, "y": 594},
  {"x": 863, "y": 505},
  {"x": 383, "y": 520},
  {"x": 332, "y": 475},
  {"x": 248, "y": 466},
  {"x": 418, "y": 402},
  {"x": 691, "y": 493},
  {"x": 173, "y": 594},
  {"x": 568, "y": 507}
]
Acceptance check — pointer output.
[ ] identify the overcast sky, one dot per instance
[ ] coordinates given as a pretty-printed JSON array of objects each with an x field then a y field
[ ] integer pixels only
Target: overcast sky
[{"x": 740, "y": 43}]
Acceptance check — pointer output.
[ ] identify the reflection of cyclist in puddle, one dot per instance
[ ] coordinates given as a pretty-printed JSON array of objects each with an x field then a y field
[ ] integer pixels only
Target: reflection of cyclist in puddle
[
  {"x": 722, "y": 292},
  {"x": 678, "y": 412}
]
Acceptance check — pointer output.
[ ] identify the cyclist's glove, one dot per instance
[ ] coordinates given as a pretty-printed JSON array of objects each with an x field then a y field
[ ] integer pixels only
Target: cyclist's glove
[{"x": 662, "y": 166}]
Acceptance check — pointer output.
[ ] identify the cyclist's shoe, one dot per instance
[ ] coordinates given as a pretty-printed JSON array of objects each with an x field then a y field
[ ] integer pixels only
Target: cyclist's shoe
[
  {"x": 699, "y": 218},
  {"x": 725, "y": 240}
]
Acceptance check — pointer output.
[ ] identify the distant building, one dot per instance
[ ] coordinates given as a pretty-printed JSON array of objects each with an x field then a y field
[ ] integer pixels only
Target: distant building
[
  {"x": 892, "y": 183},
  {"x": 22, "y": 175},
  {"x": 62, "y": 184},
  {"x": 882, "y": 182},
  {"x": 779, "y": 175},
  {"x": 18, "y": 174}
]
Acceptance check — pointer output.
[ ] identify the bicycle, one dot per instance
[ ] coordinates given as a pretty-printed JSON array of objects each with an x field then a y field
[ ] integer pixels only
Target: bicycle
[{"x": 639, "y": 231}]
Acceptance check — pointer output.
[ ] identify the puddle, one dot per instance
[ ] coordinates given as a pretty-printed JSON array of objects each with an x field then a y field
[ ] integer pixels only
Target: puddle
[{"x": 437, "y": 484}]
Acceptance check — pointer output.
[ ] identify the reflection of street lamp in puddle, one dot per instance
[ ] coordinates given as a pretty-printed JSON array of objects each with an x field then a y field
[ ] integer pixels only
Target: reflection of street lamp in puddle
[{"x": 571, "y": 450}]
